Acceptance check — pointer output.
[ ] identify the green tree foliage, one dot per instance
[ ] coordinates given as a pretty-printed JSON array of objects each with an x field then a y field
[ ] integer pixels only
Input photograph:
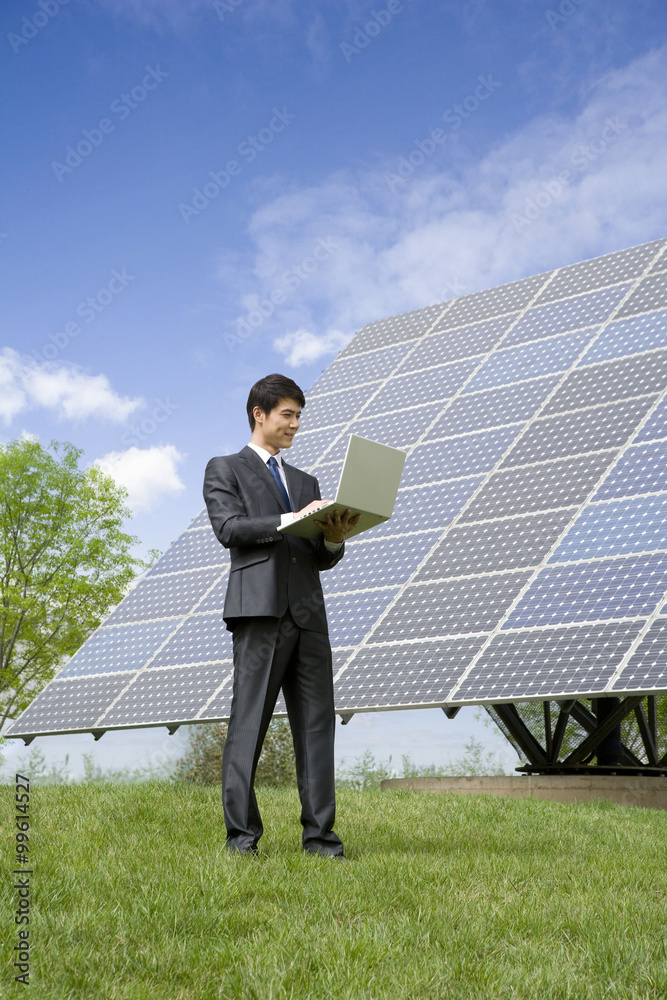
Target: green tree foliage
[
  {"x": 202, "y": 763},
  {"x": 34, "y": 765},
  {"x": 64, "y": 562},
  {"x": 366, "y": 772}
]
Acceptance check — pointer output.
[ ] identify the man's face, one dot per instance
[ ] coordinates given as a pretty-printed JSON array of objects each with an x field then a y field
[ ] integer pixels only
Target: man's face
[{"x": 275, "y": 430}]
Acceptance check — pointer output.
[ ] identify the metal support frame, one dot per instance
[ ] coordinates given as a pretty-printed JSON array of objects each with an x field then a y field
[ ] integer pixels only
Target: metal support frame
[
  {"x": 648, "y": 733},
  {"x": 521, "y": 733},
  {"x": 605, "y": 726},
  {"x": 601, "y": 724},
  {"x": 566, "y": 709}
]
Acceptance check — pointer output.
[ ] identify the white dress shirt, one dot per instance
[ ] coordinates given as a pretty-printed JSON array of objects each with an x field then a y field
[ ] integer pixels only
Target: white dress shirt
[{"x": 286, "y": 518}]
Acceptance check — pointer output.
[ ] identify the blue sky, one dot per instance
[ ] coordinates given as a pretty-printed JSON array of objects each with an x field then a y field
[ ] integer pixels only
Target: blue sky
[{"x": 204, "y": 191}]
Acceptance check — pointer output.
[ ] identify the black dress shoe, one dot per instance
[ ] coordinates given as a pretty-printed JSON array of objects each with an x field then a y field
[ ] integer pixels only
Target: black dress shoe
[{"x": 253, "y": 849}]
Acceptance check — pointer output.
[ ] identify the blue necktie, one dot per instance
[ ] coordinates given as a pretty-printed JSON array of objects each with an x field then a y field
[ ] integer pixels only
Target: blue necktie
[{"x": 273, "y": 468}]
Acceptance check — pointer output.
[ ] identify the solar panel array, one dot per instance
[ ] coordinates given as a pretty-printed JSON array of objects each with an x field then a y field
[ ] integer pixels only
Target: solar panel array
[{"x": 527, "y": 556}]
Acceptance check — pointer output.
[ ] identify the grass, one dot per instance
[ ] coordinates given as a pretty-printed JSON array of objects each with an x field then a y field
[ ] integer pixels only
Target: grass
[{"x": 443, "y": 896}]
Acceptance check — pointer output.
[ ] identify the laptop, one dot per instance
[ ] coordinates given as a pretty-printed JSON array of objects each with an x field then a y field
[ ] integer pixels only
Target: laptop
[{"x": 368, "y": 486}]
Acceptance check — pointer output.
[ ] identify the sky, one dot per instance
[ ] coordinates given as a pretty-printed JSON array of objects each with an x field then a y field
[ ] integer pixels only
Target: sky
[{"x": 201, "y": 192}]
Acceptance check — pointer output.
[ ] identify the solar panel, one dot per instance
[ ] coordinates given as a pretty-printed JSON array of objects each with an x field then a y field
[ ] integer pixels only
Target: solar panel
[{"x": 527, "y": 555}]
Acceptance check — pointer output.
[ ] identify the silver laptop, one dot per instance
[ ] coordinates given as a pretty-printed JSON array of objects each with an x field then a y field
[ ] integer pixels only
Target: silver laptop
[{"x": 368, "y": 486}]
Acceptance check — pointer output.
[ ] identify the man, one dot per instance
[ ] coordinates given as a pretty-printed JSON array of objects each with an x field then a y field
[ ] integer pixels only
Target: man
[{"x": 274, "y": 608}]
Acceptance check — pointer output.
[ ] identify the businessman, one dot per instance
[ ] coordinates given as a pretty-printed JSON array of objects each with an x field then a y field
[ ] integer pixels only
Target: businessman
[{"x": 274, "y": 608}]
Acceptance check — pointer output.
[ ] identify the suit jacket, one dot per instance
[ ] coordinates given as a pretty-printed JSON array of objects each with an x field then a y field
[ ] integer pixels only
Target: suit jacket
[{"x": 270, "y": 572}]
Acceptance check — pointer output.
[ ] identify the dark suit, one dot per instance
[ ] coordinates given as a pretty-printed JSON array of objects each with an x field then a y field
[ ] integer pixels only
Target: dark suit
[{"x": 275, "y": 609}]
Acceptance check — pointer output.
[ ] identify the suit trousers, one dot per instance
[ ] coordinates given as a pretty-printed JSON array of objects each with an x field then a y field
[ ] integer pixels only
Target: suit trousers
[{"x": 270, "y": 654}]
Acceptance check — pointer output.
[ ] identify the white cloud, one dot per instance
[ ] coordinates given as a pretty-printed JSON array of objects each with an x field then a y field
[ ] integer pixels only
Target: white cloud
[
  {"x": 148, "y": 474},
  {"x": 303, "y": 346},
  {"x": 71, "y": 393},
  {"x": 454, "y": 225},
  {"x": 12, "y": 397}
]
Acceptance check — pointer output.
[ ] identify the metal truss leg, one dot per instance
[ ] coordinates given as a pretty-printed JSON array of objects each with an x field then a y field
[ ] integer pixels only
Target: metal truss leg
[
  {"x": 523, "y": 736},
  {"x": 604, "y": 728}
]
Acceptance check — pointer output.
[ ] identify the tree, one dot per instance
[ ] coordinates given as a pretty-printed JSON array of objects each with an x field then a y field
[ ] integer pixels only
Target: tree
[
  {"x": 367, "y": 773},
  {"x": 202, "y": 763},
  {"x": 64, "y": 562}
]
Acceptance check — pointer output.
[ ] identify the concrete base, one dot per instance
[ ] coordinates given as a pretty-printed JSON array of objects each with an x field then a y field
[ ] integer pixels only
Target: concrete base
[{"x": 649, "y": 793}]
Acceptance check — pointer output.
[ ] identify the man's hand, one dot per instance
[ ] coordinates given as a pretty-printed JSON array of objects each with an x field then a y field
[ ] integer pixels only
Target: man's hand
[{"x": 336, "y": 528}]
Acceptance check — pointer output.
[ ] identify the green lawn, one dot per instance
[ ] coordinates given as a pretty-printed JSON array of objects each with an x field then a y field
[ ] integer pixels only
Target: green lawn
[{"x": 442, "y": 896}]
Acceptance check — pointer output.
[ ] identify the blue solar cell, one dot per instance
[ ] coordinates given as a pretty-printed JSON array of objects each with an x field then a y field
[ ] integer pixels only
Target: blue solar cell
[
  {"x": 120, "y": 647},
  {"x": 492, "y": 407},
  {"x": 442, "y": 502},
  {"x": 546, "y": 663},
  {"x": 615, "y": 528},
  {"x": 70, "y": 705},
  {"x": 484, "y": 547},
  {"x": 656, "y": 425},
  {"x": 215, "y": 599},
  {"x": 200, "y": 521},
  {"x": 398, "y": 556},
  {"x": 200, "y": 639},
  {"x": 220, "y": 705},
  {"x": 427, "y": 386},
  {"x": 585, "y": 310},
  {"x": 459, "y": 456},
  {"x": 563, "y": 483},
  {"x": 628, "y": 336},
  {"x": 600, "y": 271},
  {"x": 542, "y": 357},
  {"x": 309, "y": 447},
  {"x": 451, "y": 607},
  {"x": 164, "y": 596},
  {"x": 647, "y": 667},
  {"x": 351, "y": 616},
  {"x": 613, "y": 588},
  {"x": 642, "y": 469},
  {"x": 370, "y": 367},
  {"x": 637, "y": 375},
  {"x": 328, "y": 477},
  {"x": 650, "y": 293},
  {"x": 193, "y": 550},
  {"x": 399, "y": 430},
  {"x": 497, "y": 301},
  {"x": 393, "y": 330},
  {"x": 335, "y": 407},
  {"x": 165, "y": 695},
  {"x": 415, "y": 673},
  {"x": 578, "y": 431},
  {"x": 462, "y": 342}
]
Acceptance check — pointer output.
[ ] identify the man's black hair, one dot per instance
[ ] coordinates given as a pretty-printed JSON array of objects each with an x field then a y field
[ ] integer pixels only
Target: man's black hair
[{"x": 268, "y": 392}]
